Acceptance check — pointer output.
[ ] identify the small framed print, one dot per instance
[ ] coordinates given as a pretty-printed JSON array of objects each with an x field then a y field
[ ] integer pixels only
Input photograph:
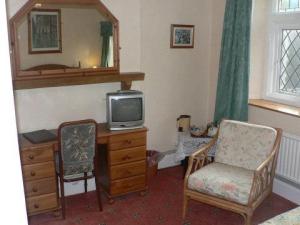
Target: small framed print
[
  {"x": 182, "y": 36},
  {"x": 44, "y": 31}
]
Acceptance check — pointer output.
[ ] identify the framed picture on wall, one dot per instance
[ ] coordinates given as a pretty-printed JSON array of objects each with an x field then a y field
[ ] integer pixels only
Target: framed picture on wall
[
  {"x": 182, "y": 36},
  {"x": 44, "y": 31}
]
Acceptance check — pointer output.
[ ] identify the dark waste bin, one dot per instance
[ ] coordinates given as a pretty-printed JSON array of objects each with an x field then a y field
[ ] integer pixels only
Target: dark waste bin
[{"x": 152, "y": 163}]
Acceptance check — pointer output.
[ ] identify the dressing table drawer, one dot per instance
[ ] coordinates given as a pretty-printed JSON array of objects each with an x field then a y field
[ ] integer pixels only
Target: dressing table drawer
[
  {"x": 123, "y": 163},
  {"x": 41, "y": 203},
  {"x": 127, "y": 141},
  {"x": 41, "y": 186},
  {"x": 39, "y": 177},
  {"x": 128, "y": 170},
  {"x": 126, "y": 185},
  {"x": 38, "y": 171},
  {"x": 41, "y": 154},
  {"x": 127, "y": 155}
]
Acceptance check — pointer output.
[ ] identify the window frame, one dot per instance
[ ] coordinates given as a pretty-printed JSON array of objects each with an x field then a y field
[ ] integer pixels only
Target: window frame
[{"x": 277, "y": 21}]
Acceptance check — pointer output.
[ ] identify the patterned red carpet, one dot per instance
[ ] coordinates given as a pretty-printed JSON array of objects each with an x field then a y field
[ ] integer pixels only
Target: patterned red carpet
[{"x": 162, "y": 205}]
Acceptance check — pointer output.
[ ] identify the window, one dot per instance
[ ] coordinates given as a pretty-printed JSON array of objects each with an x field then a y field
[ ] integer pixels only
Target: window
[
  {"x": 289, "y": 76},
  {"x": 288, "y": 5},
  {"x": 283, "y": 83}
]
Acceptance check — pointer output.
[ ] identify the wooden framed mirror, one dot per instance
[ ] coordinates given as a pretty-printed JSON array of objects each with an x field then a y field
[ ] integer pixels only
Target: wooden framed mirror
[{"x": 83, "y": 34}]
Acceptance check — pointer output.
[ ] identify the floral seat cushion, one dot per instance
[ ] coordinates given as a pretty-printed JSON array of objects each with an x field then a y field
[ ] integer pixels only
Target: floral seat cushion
[
  {"x": 243, "y": 144},
  {"x": 225, "y": 181},
  {"x": 291, "y": 217}
]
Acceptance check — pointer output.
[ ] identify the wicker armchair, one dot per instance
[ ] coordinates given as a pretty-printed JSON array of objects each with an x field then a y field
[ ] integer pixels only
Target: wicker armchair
[{"x": 241, "y": 176}]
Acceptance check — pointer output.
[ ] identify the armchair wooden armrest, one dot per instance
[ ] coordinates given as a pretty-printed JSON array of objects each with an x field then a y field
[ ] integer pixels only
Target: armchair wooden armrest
[
  {"x": 264, "y": 174},
  {"x": 197, "y": 159}
]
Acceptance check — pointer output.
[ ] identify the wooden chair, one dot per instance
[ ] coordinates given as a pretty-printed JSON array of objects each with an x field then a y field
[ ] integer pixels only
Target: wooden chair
[
  {"x": 77, "y": 156},
  {"x": 242, "y": 174}
]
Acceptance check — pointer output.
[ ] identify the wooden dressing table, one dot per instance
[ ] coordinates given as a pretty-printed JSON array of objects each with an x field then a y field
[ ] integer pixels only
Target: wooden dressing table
[{"x": 122, "y": 156}]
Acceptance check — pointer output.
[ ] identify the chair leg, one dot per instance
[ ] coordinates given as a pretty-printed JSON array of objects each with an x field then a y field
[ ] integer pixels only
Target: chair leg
[
  {"x": 62, "y": 198},
  {"x": 85, "y": 182},
  {"x": 98, "y": 193},
  {"x": 185, "y": 203}
]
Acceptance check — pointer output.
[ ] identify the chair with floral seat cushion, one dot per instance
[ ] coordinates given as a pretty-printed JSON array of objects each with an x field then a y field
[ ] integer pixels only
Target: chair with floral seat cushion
[
  {"x": 242, "y": 174},
  {"x": 291, "y": 217},
  {"x": 77, "y": 155}
]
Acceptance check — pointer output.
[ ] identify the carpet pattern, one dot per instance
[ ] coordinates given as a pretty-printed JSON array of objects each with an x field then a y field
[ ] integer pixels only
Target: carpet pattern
[{"x": 161, "y": 205}]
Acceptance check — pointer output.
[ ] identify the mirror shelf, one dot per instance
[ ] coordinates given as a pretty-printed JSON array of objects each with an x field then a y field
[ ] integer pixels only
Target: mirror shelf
[
  {"x": 124, "y": 78},
  {"x": 86, "y": 33}
]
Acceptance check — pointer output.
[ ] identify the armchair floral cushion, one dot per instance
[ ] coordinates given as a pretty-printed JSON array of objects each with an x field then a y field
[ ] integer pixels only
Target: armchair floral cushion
[
  {"x": 225, "y": 181},
  {"x": 244, "y": 145},
  {"x": 291, "y": 217}
]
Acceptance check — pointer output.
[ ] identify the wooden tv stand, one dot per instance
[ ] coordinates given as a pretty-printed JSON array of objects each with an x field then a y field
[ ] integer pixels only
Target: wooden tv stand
[{"x": 122, "y": 156}]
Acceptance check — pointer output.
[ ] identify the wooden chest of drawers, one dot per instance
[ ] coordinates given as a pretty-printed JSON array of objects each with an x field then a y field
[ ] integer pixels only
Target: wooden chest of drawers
[
  {"x": 39, "y": 179},
  {"x": 123, "y": 163}
]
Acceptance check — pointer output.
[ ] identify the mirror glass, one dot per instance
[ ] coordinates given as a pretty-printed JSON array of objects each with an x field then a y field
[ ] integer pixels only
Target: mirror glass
[{"x": 75, "y": 36}]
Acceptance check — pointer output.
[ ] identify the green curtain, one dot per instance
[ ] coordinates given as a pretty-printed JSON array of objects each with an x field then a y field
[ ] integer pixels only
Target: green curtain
[
  {"x": 232, "y": 91},
  {"x": 106, "y": 33}
]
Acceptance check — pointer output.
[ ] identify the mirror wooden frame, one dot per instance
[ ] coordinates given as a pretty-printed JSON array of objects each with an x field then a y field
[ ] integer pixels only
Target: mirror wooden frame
[{"x": 56, "y": 74}]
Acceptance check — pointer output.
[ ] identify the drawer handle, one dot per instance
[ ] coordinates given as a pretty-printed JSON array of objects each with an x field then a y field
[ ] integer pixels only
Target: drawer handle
[
  {"x": 126, "y": 157},
  {"x": 31, "y": 157},
  {"x": 36, "y": 206},
  {"x": 32, "y": 173},
  {"x": 128, "y": 142},
  {"x": 34, "y": 189}
]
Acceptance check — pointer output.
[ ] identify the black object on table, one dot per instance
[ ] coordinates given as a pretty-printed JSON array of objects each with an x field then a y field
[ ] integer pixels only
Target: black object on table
[{"x": 40, "y": 136}]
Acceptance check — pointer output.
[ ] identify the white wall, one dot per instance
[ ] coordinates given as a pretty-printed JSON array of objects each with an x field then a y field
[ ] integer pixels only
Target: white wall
[
  {"x": 13, "y": 210},
  {"x": 215, "y": 48},
  {"x": 177, "y": 80}
]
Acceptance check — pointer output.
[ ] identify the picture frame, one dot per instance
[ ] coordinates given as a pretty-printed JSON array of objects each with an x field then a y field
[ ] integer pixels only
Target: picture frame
[
  {"x": 44, "y": 31},
  {"x": 182, "y": 36}
]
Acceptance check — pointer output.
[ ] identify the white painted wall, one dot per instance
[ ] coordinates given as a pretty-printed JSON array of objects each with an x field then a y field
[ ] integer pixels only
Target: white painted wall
[
  {"x": 176, "y": 79},
  {"x": 13, "y": 209},
  {"x": 215, "y": 48}
]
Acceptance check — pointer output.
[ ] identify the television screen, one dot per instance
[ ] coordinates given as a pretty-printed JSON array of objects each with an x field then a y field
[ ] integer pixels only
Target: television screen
[{"x": 127, "y": 109}]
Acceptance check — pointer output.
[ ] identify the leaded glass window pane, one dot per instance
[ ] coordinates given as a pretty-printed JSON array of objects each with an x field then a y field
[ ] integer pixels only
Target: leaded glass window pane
[
  {"x": 288, "y": 5},
  {"x": 289, "y": 78}
]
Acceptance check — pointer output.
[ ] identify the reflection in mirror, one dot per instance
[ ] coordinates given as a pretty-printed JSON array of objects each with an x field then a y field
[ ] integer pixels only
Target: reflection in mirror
[{"x": 86, "y": 39}]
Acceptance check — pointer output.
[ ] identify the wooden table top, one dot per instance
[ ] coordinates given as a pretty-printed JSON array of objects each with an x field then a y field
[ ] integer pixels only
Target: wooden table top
[{"x": 103, "y": 133}]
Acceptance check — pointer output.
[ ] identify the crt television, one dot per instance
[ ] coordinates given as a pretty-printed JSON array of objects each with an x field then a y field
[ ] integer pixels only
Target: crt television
[{"x": 125, "y": 110}]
